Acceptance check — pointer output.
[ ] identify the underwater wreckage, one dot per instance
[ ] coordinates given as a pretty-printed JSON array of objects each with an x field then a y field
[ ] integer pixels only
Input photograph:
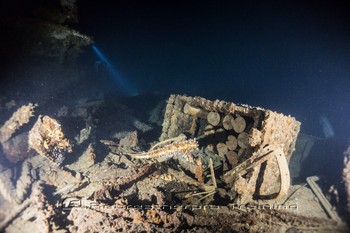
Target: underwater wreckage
[{"x": 217, "y": 166}]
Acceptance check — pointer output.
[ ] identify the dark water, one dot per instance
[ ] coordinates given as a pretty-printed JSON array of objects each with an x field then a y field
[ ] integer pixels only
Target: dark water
[{"x": 293, "y": 58}]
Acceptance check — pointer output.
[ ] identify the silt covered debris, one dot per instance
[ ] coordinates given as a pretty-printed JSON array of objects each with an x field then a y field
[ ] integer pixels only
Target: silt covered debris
[{"x": 205, "y": 166}]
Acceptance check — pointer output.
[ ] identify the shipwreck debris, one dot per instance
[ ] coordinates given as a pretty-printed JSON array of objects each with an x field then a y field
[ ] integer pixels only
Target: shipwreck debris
[
  {"x": 17, "y": 120},
  {"x": 15, "y": 149},
  {"x": 85, "y": 160},
  {"x": 116, "y": 184},
  {"x": 83, "y": 135},
  {"x": 7, "y": 189},
  {"x": 47, "y": 138},
  {"x": 10, "y": 192},
  {"x": 14, "y": 214},
  {"x": 346, "y": 177},
  {"x": 266, "y": 154},
  {"x": 119, "y": 190},
  {"x": 25, "y": 181},
  {"x": 237, "y": 133},
  {"x": 323, "y": 200},
  {"x": 35, "y": 214},
  {"x": 209, "y": 190},
  {"x": 129, "y": 142}
]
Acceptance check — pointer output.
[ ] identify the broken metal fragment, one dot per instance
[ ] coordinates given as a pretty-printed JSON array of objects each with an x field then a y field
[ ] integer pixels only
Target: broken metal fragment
[
  {"x": 17, "y": 120},
  {"x": 47, "y": 138},
  {"x": 323, "y": 200}
]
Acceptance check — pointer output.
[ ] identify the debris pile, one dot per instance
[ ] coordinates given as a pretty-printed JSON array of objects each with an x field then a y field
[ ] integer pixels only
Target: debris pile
[
  {"x": 247, "y": 143},
  {"x": 14, "y": 144},
  {"x": 17, "y": 120},
  {"x": 47, "y": 138},
  {"x": 217, "y": 166},
  {"x": 346, "y": 177}
]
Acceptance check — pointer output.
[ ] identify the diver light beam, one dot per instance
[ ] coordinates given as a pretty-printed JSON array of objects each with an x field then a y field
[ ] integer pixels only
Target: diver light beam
[{"x": 125, "y": 86}]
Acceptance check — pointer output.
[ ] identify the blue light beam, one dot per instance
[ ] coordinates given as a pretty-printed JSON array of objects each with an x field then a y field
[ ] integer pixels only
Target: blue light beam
[{"x": 125, "y": 86}]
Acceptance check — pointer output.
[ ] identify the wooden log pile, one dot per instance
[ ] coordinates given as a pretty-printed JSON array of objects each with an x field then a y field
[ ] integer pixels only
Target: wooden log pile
[{"x": 235, "y": 133}]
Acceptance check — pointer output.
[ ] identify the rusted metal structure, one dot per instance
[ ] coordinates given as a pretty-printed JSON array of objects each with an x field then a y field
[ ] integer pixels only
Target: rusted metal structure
[{"x": 253, "y": 144}]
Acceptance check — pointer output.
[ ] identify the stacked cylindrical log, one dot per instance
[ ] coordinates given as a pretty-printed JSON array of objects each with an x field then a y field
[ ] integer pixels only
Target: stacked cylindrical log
[
  {"x": 195, "y": 111},
  {"x": 230, "y": 134},
  {"x": 239, "y": 124},
  {"x": 234, "y": 133},
  {"x": 231, "y": 142},
  {"x": 227, "y": 122},
  {"x": 214, "y": 118},
  {"x": 226, "y": 134}
]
